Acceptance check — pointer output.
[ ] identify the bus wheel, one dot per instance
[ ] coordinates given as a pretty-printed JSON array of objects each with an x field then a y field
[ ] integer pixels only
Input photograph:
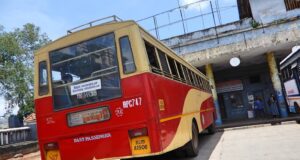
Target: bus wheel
[
  {"x": 192, "y": 147},
  {"x": 212, "y": 128}
]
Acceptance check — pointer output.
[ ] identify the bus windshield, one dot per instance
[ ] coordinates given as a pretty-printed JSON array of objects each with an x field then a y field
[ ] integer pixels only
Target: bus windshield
[{"x": 85, "y": 73}]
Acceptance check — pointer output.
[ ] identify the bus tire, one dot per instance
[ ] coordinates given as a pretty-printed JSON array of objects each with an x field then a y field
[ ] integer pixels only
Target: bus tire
[
  {"x": 212, "y": 128},
  {"x": 192, "y": 147}
]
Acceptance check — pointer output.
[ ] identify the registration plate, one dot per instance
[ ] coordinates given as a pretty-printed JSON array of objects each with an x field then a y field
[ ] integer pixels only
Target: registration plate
[
  {"x": 88, "y": 116},
  {"x": 53, "y": 155},
  {"x": 140, "y": 145}
]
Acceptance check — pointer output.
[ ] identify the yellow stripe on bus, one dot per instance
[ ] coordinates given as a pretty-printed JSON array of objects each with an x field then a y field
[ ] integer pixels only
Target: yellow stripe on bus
[{"x": 182, "y": 115}]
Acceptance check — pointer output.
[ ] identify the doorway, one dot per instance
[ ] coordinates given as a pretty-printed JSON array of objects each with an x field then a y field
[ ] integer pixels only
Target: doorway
[{"x": 235, "y": 106}]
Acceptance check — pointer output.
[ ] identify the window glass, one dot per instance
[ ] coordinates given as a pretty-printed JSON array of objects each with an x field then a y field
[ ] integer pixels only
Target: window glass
[
  {"x": 163, "y": 61},
  {"x": 43, "y": 78},
  {"x": 201, "y": 83},
  {"x": 198, "y": 81},
  {"x": 195, "y": 79},
  {"x": 186, "y": 75},
  {"x": 208, "y": 86},
  {"x": 290, "y": 72},
  {"x": 153, "y": 60},
  {"x": 285, "y": 74},
  {"x": 180, "y": 70},
  {"x": 191, "y": 76},
  {"x": 127, "y": 57},
  {"x": 85, "y": 73},
  {"x": 173, "y": 66}
]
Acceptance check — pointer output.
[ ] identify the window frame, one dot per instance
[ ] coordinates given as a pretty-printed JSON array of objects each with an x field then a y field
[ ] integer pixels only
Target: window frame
[
  {"x": 180, "y": 70},
  {"x": 47, "y": 78},
  {"x": 188, "y": 76},
  {"x": 153, "y": 68},
  {"x": 162, "y": 54},
  {"x": 131, "y": 55},
  {"x": 176, "y": 74},
  {"x": 91, "y": 38}
]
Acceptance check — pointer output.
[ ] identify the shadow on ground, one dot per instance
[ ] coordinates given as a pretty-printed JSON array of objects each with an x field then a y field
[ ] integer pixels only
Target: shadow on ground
[{"x": 207, "y": 146}]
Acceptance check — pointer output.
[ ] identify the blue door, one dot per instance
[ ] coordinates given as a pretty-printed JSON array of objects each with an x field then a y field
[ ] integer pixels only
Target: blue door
[{"x": 235, "y": 106}]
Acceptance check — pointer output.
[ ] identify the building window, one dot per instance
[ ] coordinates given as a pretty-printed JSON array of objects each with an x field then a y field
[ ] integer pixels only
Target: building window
[
  {"x": 254, "y": 79},
  {"x": 291, "y": 4}
]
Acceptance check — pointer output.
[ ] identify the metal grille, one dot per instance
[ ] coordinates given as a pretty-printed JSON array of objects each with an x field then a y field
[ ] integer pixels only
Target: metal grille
[{"x": 292, "y": 4}]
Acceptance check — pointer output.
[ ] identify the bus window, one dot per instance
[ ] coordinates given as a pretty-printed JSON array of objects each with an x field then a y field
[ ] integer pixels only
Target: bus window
[
  {"x": 43, "y": 78},
  {"x": 90, "y": 63},
  {"x": 195, "y": 79},
  {"x": 201, "y": 80},
  {"x": 286, "y": 76},
  {"x": 191, "y": 77},
  {"x": 208, "y": 86},
  {"x": 173, "y": 67},
  {"x": 180, "y": 71},
  {"x": 187, "y": 77},
  {"x": 198, "y": 81},
  {"x": 164, "y": 63},
  {"x": 153, "y": 60},
  {"x": 127, "y": 57}
]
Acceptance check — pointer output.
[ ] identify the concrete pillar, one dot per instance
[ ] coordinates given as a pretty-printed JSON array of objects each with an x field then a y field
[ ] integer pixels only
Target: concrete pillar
[
  {"x": 210, "y": 75},
  {"x": 276, "y": 84}
]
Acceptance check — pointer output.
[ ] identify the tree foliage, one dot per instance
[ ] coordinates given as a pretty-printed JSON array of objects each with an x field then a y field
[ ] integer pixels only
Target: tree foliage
[{"x": 16, "y": 65}]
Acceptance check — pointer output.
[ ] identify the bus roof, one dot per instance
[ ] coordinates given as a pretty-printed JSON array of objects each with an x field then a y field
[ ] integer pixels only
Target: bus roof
[
  {"x": 292, "y": 57},
  {"x": 84, "y": 34},
  {"x": 97, "y": 30}
]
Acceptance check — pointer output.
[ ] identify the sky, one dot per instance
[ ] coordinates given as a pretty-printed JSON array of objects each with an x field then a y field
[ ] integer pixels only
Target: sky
[{"x": 55, "y": 17}]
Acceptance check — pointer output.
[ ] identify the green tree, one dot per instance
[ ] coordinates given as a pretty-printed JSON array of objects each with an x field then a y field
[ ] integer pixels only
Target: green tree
[{"x": 16, "y": 65}]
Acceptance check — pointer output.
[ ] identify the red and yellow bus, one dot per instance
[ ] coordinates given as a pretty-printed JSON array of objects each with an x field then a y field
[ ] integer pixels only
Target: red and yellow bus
[{"x": 113, "y": 91}]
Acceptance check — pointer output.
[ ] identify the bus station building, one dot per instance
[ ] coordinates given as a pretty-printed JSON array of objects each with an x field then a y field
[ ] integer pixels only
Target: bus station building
[{"x": 264, "y": 35}]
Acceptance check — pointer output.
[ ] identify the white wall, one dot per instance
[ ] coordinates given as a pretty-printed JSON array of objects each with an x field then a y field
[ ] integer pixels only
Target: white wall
[{"x": 266, "y": 11}]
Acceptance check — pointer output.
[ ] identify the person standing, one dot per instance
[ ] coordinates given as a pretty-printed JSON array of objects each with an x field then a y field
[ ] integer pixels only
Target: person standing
[
  {"x": 273, "y": 106},
  {"x": 258, "y": 107}
]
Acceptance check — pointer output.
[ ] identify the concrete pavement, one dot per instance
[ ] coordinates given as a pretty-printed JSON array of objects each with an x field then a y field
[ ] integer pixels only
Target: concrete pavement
[
  {"x": 261, "y": 142},
  {"x": 279, "y": 142}
]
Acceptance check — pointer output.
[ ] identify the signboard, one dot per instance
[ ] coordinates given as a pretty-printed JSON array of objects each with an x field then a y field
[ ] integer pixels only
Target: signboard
[
  {"x": 291, "y": 87},
  {"x": 86, "y": 87},
  {"x": 229, "y": 86},
  {"x": 88, "y": 116}
]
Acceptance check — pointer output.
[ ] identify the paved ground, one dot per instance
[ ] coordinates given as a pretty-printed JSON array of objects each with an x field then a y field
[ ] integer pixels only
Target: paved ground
[
  {"x": 262, "y": 142},
  {"x": 31, "y": 156}
]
